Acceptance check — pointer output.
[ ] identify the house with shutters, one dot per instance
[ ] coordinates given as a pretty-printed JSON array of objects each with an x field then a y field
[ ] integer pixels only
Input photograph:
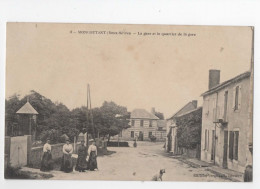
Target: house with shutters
[
  {"x": 143, "y": 125},
  {"x": 226, "y": 122}
]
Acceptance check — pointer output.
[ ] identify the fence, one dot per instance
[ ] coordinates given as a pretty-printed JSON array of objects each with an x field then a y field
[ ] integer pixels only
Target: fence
[{"x": 19, "y": 151}]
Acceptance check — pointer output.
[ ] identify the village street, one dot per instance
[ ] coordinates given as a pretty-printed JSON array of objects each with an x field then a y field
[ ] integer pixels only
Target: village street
[{"x": 139, "y": 164}]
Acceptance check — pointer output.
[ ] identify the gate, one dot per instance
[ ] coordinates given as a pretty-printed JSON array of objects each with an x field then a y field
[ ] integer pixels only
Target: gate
[{"x": 18, "y": 151}]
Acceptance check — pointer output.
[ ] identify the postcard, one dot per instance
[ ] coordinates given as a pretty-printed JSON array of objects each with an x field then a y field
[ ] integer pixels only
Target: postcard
[{"x": 129, "y": 102}]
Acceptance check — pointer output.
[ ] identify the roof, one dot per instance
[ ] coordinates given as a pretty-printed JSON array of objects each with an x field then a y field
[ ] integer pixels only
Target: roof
[
  {"x": 226, "y": 83},
  {"x": 186, "y": 113},
  {"x": 161, "y": 123},
  {"x": 27, "y": 109},
  {"x": 189, "y": 106},
  {"x": 142, "y": 114}
]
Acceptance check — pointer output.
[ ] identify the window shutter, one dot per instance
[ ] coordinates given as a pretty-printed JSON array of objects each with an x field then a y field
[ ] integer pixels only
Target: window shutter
[
  {"x": 231, "y": 144},
  {"x": 234, "y": 98},
  {"x": 208, "y": 141},
  {"x": 236, "y": 134},
  {"x": 206, "y": 138},
  {"x": 239, "y": 98}
]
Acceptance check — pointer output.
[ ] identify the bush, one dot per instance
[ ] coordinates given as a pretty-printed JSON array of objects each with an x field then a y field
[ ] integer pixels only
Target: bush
[
  {"x": 53, "y": 135},
  {"x": 14, "y": 173},
  {"x": 115, "y": 144},
  {"x": 153, "y": 138}
]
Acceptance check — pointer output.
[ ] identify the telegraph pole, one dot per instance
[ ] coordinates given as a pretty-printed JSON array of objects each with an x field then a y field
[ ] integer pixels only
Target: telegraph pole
[{"x": 89, "y": 112}]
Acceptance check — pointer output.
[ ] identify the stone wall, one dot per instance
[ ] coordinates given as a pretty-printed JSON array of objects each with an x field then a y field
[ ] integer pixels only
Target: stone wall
[{"x": 37, "y": 152}]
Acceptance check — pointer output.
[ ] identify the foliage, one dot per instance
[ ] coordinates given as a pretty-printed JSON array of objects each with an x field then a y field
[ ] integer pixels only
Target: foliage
[
  {"x": 111, "y": 119},
  {"x": 153, "y": 138},
  {"x": 189, "y": 129},
  {"x": 55, "y": 119},
  {"x": 12, "y": 105},
  {"x": 52, "y": 134}
]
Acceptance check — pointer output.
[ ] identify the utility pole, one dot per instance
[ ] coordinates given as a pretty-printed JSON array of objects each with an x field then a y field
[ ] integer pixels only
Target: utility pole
[{"x": 89, "y": 112}]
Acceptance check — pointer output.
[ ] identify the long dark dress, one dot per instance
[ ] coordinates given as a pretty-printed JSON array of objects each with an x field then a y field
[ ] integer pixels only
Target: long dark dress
[
  {"x": 92, "y": 162},
  {"x": 248, "y": 175},
  {"x": 66, "y": 163},
  {"x": 81, "y": 161},
  {"x": 47, "y": 162}
]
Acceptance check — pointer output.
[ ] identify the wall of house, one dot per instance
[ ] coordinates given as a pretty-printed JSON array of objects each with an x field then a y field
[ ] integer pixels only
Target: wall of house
[
  {"x": 172, "y": 136},
  {"x": 237, "y": 120},
  {"x": 126, "y": 134},
  {"x": 160, "y": 135}
]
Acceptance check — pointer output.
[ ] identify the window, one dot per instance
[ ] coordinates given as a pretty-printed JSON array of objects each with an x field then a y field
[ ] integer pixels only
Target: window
[
  {"x": 133, "y": 122},
  {"x": 160, "y": 128},
  {"x": 225, "y": 106},
  {"x": 236, "y": 98},
  {"x": 132, "y": 134},
  {"x": 150, "y": 123},
  {"x": 236, "y": 135},
  {"x": 233, "y": 144},
  {"x": 142, "y": 123},
  {"x": 150, "y": 134}
]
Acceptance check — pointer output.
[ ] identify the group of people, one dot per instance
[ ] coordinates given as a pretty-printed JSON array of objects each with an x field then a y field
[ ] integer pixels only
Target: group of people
[{"x": 87, "y": 157}]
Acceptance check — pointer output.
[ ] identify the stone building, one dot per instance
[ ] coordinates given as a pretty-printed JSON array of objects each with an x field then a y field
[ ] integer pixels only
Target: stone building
[
  {"x": 225, "y": 125},
  {"x": 143, "y": 125}
]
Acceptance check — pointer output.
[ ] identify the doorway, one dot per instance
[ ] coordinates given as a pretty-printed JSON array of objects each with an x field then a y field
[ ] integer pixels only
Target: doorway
[{"x": 141, "y": 136}]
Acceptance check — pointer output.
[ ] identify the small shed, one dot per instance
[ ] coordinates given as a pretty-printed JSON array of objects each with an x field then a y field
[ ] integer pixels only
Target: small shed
[{"x": 27, "y": 119}]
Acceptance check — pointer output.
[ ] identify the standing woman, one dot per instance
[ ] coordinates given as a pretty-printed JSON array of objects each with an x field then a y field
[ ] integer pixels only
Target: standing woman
[
  {"x": 82, "y": 155},
  {"x": 47, "y": 163},
  {"x": 92, "y": 152},
  {"x": 66, "y": 163}
]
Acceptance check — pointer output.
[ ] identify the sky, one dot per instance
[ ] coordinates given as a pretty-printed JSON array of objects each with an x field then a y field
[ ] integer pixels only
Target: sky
[{"x": 136, "y": 71}]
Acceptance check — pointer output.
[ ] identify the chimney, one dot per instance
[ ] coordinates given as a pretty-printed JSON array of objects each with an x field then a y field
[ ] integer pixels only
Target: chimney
[
  {"x": 195, "y": 103},
  {"x": 214, "y": 78},
  {"x": 153, "y": 111}
]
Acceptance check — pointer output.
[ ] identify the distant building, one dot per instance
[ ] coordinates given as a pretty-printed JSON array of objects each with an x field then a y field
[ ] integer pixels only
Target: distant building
[
  {"x": 143, "y": 125},
  {"x": 225, "y": 121},
  {"x": 171, "y": 127}
]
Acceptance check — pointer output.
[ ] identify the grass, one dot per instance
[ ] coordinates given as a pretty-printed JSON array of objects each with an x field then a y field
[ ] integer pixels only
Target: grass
[{"x": 17, "y": 173}]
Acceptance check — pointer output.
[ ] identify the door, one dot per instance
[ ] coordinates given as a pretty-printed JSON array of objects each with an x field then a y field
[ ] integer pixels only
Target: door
[
  {"x": 225, "y": 149},
  {"x": 141, "y": 136},
  {"x": 18, "y": 151}
]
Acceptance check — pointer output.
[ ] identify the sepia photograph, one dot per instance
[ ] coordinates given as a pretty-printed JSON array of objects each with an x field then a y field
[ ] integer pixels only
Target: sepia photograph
[{"x": 129, "y": 102}]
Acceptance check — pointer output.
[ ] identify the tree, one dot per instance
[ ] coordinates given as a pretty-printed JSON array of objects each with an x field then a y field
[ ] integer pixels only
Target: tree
[
  {"x": 55, "y": 119},
  {"x": 12, "y": 105},
  {"x": 110, "y": 123},
  {"x": 189, "y": 129}
]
